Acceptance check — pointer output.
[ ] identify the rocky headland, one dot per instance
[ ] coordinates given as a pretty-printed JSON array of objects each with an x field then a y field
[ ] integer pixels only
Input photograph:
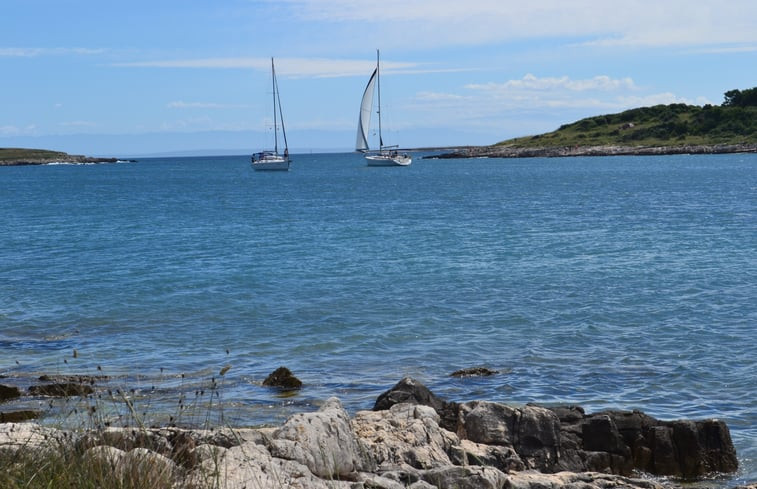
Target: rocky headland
[
  {"x": 22, "y": 156},
  {"x": 414, "y": 439},
  {"x": 512, "y": 151}
]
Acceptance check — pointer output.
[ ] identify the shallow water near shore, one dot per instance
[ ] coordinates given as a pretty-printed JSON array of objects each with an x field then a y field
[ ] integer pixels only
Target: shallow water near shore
[{"x": 608, "y": 282}]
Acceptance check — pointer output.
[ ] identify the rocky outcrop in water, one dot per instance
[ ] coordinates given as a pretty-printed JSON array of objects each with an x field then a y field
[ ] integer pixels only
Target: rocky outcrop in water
[
  {"x": 608, "y": 150},
  {"x": 566, "y": 438},
  {"x": 9, "y": 392},
  {"x": 282, "y": 378},
  {"x": 406, "y": 444}
]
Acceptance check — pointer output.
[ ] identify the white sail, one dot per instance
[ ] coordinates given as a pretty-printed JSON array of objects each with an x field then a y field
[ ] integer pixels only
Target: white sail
[{"x": 364, "y": 121}]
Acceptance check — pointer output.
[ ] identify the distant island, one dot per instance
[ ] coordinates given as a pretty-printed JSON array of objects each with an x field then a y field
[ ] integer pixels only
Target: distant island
[
  {"x": 661, "y": 129},
  {"x": 23, "y": 156}
]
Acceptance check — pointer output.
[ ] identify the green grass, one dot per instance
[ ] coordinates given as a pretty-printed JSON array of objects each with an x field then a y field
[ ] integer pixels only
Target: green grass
[
  {"x": 70, "y": 467},
  {"x": 661, "y": 125},
  {"x": 90, "y": 464},
  {"x": 14, "y": 154}
]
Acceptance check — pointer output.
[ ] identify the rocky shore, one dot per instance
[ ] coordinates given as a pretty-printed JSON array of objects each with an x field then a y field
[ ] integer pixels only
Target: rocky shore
[
  {"x": 413, "y": 439},
  {"x": 609, "y": 150},
  {"x": 69, "y": 159}
]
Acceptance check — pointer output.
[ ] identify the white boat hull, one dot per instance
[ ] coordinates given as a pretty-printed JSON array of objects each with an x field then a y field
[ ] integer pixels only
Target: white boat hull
[
  {"x": 388, "y": 160},
  {"x": 271, "y": 163}
]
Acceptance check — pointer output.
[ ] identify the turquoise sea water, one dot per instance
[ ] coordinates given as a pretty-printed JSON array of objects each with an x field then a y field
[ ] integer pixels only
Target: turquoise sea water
[{"x": 619, "y": 282}]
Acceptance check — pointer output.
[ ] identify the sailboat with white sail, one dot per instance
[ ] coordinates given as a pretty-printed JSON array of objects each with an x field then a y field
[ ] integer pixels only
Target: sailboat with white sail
[
  {"x": 386, "y": 155},
  {"x": 272, "y": 160}
]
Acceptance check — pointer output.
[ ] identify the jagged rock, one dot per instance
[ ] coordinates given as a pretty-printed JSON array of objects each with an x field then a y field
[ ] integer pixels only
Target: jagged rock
[
  {"x": 411, "y": 391},
  {"x": 150, "y": 468},
  {"x": 323, "y": 441},
  {"x": 31, "y": 436},
  {"x": 571, "y": 480},
  {"x": 691, "y": 449},
  {"x": 505, "y": 459},
  {"x": 475, "y": 477},
  {"x": 127, "y": 439},
  {"x": 8, "y": 392},
  {"x": 282, "y": 377},
  {"x": 566, "y": 439},
  {"x": 251, "y": 466},
  {"x": 61, "y": 389},
  {"x": 374, "y": 481},
  {"x": 406, "y": 435},
  {"x": 533, "y": 432},
  {"x": 408, "y": 390}
]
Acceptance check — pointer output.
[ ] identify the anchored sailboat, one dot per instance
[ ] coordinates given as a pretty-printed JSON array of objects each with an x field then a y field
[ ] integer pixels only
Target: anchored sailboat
[
  {"x": 386, "y": 155},
  {"x": 272, "y": 160}
]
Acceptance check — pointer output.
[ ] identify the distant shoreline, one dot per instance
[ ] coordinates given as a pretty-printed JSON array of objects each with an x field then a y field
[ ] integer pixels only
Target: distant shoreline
[
  {"x": 509, "y": 151},
  {"x": 27, "y": 156},
  {"x": 71, "y": 159}
]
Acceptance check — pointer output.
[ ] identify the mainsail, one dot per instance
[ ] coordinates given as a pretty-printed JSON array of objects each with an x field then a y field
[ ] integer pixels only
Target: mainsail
[{"x": 364, "y": 121}]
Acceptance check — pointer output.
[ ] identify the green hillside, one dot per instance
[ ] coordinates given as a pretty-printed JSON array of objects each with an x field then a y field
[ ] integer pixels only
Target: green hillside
[
  {"x": 733, "y": 122},
  {"x": 14, "y": 154}
]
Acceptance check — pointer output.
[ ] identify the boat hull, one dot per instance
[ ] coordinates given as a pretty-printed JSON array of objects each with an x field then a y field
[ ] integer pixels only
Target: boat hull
[
  {"x": 388, "y": 160},
  {"x": 274, "y": 163}
]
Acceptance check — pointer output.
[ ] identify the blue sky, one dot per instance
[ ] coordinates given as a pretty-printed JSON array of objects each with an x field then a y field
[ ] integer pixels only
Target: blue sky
[{"x": 178, "y": 76}]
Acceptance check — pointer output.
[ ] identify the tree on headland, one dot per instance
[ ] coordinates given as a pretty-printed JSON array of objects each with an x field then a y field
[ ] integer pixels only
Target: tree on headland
[{"x": 741, "y": 98}]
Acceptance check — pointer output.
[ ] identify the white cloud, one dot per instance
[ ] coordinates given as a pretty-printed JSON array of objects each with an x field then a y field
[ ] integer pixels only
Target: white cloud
[
  {"x": 605, "y": 23},
  {"x": 481, "y": 103},
  {"x": 727, "y": 49},
  {"x": 289, "y": 67},
  {"x": 179, "y": 104},
  {"x": 14, "y": 131},
  {"x": 439, "y": 97},
  {"x": 664, "y": 98},
  {"x": 78, "y": 124},
  {"x": 531, "y": 82}
]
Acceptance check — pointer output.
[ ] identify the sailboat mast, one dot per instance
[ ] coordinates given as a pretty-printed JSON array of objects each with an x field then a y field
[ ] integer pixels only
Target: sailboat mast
[
  {"x": 378, "y": 88},
  {"x": 281, "y": 118},
  {"x": 275, "y": 121}
]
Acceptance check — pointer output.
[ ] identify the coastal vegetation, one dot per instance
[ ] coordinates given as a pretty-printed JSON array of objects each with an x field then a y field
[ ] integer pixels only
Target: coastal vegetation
[
  {"x": 732, "y": 123},
  {"x": 26, "y": 156},
  {"x": 16, "y": 154}
]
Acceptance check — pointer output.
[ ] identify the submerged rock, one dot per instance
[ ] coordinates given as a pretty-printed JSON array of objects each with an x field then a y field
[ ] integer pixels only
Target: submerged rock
[
  {"x": 282, "y": 377},
  {"x": 61, "y": 389},
  {"x": 474, "y": 372},
  {"x": 18, "y": 416},
  {"x": 9, "y": 392}
]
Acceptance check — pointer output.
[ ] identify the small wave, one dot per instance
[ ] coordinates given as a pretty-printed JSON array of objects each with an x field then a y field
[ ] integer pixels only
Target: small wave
[
  {"x": 29, "y": 344},
  {"x": 69, "y": 163}
]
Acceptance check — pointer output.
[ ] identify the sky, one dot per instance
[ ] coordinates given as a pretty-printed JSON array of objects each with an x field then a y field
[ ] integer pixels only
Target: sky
[{"x": 178, "y": 77}]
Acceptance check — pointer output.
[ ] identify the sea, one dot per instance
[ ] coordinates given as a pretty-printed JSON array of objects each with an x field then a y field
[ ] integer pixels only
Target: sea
[{"x": 606, "y": 282}]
